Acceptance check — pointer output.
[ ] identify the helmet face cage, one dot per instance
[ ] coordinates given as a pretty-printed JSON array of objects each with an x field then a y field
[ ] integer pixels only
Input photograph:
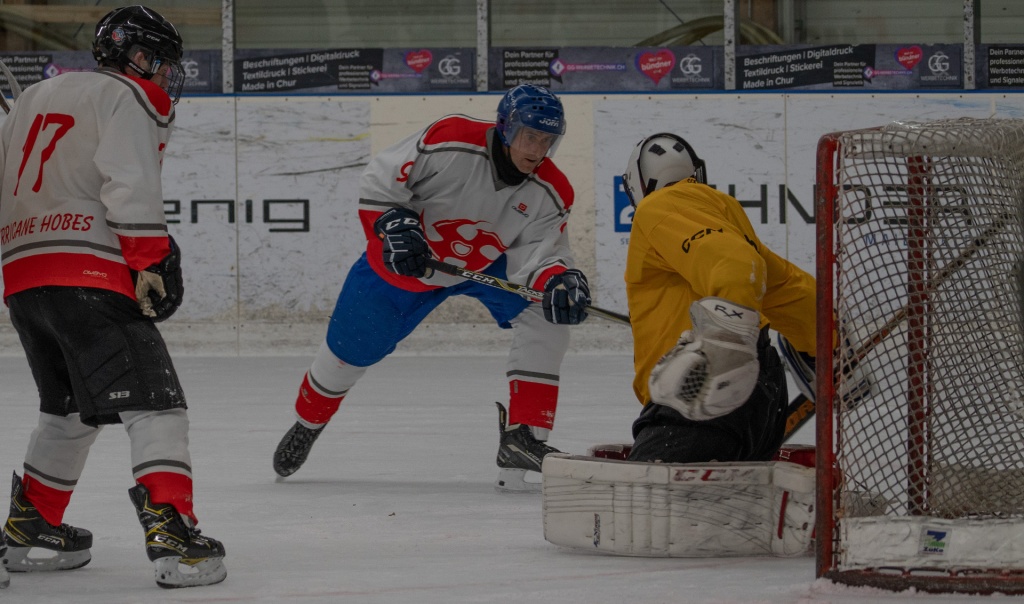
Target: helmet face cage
[
  {"x": 126, "y": 31},
  {"x": 534, "y": 107},
  {"x": 170, "y": 70},
  {"x": 657, "y": 161}
]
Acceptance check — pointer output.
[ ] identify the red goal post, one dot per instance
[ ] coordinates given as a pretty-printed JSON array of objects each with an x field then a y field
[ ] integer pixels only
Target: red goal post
[{"x": 920, "y": 275}]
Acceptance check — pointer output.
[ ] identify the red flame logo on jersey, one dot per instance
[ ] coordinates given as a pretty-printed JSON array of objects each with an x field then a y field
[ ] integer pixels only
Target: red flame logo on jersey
[{"x": 466, "y": 241}]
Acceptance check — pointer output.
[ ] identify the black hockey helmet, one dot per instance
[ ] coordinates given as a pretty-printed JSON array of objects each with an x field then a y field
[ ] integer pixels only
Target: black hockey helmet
[{"x": 125, "y": 31}]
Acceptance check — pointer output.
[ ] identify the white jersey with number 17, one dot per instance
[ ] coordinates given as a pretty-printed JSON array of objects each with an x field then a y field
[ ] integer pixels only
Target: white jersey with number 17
[{"x": 81, "y": 200}]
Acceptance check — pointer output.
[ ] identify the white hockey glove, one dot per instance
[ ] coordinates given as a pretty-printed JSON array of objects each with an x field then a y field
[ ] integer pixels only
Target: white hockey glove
[
  {"x": 713, "y": 369},
  {"x": 146, "y": 282}
]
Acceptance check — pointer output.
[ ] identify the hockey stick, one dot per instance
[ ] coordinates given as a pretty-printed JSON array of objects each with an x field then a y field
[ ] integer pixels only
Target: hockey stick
[
  {"x": 801, "y": 410},
  {"x": 522, "y": 290},
  {"x": 879, "y": 335},
  {"x": 15, "y": 88}
]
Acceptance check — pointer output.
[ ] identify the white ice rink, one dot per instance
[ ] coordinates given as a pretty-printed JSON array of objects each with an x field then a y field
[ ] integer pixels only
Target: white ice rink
[{"x": 395, "y": 504}]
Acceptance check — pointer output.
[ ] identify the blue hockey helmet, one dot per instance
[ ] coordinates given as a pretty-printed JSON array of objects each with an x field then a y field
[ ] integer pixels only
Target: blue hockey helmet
[{"x": 533, "y": 107}]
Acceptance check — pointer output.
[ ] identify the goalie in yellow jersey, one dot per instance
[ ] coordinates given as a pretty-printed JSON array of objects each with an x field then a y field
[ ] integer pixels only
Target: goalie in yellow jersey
[{"x": 703, "y": 290}]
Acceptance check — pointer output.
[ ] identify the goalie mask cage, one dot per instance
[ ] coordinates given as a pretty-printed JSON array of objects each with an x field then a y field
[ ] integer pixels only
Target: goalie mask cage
[{"x": 921, "y": 258}]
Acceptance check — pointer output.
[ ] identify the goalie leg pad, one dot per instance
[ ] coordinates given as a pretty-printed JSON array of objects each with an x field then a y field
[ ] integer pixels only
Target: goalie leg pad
[
  {"x": 854, "y": 386},
  {"x": 681, "y": 510},
  {"x": 800, "y": 365},
  {"x": 713, "y": 368}
]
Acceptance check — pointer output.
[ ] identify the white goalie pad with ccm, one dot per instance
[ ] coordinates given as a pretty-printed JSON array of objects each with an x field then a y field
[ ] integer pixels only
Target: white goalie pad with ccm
[{"x": 678, "y": 510}]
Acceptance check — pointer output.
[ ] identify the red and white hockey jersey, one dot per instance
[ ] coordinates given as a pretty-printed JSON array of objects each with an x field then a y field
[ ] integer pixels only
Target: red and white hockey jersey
[
  {"x": 81, "y": 200},
  {"x": 470, "y": 217}
]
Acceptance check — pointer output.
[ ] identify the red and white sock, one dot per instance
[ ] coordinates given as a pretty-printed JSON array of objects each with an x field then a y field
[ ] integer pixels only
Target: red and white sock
[
  {"x": 532, "y": 403},
  {"x": 316, "y": 405},
  {"x": 170, "y": 488},
  {"x": 49, "y": 500}
]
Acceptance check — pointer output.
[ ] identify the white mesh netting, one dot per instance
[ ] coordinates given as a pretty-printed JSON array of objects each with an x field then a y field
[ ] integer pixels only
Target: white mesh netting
[{"x": 929, "y": 299}]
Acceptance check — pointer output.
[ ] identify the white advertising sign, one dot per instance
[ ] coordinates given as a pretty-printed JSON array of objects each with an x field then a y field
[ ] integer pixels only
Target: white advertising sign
[
  {"x": 266, "y": 215},
  {"x": 759, "y": 148},
  {"x": 261, "y": 192}
]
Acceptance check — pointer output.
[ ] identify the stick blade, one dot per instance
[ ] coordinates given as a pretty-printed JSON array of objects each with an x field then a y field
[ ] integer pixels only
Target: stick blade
[{"x": 12, "y": 82}]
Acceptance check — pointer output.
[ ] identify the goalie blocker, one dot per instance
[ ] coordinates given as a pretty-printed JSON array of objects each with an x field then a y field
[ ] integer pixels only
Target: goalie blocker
[{"x": 680, "y": 510}]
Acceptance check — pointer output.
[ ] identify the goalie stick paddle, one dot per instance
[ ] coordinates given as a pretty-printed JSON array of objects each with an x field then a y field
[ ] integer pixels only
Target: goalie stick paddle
[
  {"x": 522, "y": 290},
  {"x": 799, "y": 412}
]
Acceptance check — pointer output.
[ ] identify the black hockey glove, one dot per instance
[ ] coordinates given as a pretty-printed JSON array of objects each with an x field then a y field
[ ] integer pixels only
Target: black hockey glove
[
  {"x": 566, "y": 298},
  {"x": 159, "y": 288},
  {"x": 405, "y": 248}
]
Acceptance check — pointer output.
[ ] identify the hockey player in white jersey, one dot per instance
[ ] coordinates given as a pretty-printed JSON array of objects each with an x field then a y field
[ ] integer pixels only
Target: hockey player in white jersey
[
  {"x": 88, "y": 266},
  {"x": 484, "y": 196}
]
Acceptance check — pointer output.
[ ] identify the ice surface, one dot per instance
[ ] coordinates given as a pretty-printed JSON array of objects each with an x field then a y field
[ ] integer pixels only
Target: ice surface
[{"x": 396, "y": 503}]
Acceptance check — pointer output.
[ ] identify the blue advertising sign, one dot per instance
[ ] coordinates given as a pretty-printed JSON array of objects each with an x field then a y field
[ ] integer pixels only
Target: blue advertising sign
[
  {"x": 851, "y": 67},
  {"x": 590, "y": 69},
  {"x": 202, "y": 67},
  {"x": 623, "y": 209},
  {"x": 371, "y": 70}
]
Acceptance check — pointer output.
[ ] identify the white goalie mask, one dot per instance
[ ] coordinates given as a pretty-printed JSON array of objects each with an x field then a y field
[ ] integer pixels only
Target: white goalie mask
[{"x": 660, "y": 160}]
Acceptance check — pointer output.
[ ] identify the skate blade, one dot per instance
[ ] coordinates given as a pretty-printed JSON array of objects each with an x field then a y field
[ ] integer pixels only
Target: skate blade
[
  {"x": 172, "y": 573},
  {"x": 513, "y": 480},
  {"x": 40, "y": 559}
]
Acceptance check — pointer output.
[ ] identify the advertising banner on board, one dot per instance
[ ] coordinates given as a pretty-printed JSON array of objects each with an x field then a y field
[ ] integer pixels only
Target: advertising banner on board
[{"x": 356, "y": 70}]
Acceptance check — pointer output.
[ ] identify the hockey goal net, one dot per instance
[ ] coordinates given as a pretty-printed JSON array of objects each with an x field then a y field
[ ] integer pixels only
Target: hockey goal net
[{"x": 921, "y": 282}]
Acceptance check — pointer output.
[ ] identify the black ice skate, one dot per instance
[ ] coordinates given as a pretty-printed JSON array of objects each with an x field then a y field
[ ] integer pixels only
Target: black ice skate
[
  {"x": 519, "y": 451},
  {"x": 5, "y": 579},
  {"x": 294, "y": 448},
  {"x": 182, "y": 556},
  {"x": 35, "y": 545}
]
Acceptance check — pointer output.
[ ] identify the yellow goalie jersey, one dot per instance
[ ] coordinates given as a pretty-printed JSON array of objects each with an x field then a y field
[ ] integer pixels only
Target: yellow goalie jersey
[{"x": 690, "y": 241}]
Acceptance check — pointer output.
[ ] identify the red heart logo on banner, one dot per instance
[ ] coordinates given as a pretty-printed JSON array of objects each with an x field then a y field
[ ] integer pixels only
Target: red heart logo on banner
[
  {"x": 655, "y": 65},
  {"x": 418, "y": 60},
  {"x": 908, "y": 57}
]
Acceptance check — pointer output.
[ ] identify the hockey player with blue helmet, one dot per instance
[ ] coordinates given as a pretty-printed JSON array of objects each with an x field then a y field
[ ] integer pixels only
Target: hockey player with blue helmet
[
  {"x": 482, "y": 195},
  {"x": 534, "y": 113}
]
